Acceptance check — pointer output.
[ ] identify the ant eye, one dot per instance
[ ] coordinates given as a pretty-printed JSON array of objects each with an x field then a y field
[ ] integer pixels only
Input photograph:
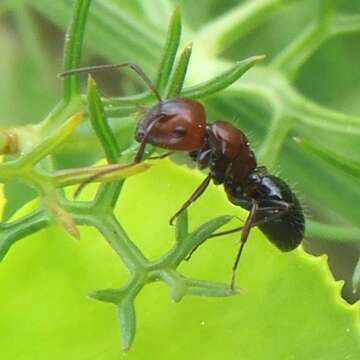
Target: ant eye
[{"x": 180, "y": 131}]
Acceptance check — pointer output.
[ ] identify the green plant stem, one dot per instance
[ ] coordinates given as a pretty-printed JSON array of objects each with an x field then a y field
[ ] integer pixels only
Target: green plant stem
[
  {"x": 277, "y": 90},
  {"x": 293, "y": 57},
  {"x": 73, "y": 48},
  {"x": 19, "y": 229},
  {"x": 120, "y": 242},
  {"x": 61, "y": 111},
  {"x": 234, "y": 24},
  {"x": 195, "y": 239},
  {"x": 274, "y": 141},
  {"x": 345, "y": 24}
]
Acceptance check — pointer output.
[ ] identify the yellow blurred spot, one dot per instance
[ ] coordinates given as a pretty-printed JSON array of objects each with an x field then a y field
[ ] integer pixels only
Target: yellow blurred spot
[
  {"x": 125, "y": 171},
  {"x": 75, "y": 120}
]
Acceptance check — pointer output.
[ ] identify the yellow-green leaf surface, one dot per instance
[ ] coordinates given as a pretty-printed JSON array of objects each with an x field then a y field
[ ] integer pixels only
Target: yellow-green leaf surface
[
  {"x": 289, "y": 306},
  {"x": 2, "y": 196},
  {"x": 2, "y": 201}
]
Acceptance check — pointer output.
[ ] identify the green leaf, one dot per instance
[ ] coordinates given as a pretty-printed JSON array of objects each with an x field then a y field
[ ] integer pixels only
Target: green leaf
[
  {"x": 221, "y": 81},
  {"x": 73, "y": 47},
  {"x": 170, "y": 50},
  {"x": 280, "y": 291},
  {"x": 178, "y": 77},
  {"x": 346, "y": 165}
]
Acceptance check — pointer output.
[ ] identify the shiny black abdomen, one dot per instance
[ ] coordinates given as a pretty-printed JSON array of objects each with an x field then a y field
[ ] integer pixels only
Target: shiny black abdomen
[{"x": 286, "y": 232}]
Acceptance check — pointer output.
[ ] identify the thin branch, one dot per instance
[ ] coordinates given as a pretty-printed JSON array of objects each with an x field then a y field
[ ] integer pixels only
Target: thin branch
[
  {"x": 220, "y": 33},
  {"x": 294, "y": 56},
  {"x": 20, "y": 228},
  {"x": 73, "y": 47}
]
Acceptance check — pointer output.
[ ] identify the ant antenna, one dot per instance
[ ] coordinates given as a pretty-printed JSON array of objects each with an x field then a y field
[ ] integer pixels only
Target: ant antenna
[{"x": 136, "y": 68}]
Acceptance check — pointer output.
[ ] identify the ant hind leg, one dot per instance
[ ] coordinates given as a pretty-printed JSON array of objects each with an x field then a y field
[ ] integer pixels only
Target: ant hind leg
[{"x": 244, "y": 237}]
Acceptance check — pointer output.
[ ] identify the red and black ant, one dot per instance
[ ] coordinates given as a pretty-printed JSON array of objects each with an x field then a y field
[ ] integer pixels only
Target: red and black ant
[{"x": 179, "y": 124}]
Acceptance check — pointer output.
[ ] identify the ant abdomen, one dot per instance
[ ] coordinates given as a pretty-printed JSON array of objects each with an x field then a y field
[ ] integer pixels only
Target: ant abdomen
[{"x": 287, "y": 230}]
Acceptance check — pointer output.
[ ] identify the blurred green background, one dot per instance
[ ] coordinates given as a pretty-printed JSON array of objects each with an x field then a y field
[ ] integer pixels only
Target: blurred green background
[{"x": 31, "y": 42}]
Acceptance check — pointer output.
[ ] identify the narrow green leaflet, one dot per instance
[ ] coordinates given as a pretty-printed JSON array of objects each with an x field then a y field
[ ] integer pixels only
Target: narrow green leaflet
[
  {"x": 346, "y": 165},
  {"x": 170, "y": 50},
  {"x": 100, "y": 123},
  {"x": 177, "y": 79},
  {"x": 127, "y": 323},
  {"x": 221, "y": 81},
  {"x": 73, "y": 47}
]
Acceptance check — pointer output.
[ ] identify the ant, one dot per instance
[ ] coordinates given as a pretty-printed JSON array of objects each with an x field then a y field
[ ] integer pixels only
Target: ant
[{"x": 179, "y": 124}]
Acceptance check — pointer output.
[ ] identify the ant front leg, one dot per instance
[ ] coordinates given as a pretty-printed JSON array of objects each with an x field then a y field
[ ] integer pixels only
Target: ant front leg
[
  {"x": 114, "y": 167},
  {"x": 194, "y": 196}
]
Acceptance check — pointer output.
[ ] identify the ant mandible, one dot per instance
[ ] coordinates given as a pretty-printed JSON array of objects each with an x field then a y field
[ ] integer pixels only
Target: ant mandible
[{"x": 179, "y": 124}]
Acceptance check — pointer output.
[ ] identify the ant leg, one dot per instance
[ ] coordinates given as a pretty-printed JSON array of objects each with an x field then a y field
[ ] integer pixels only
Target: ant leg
[
  {"x": 136, "y": 68},
  {"x": 278, "y": 212},
  {"x": 194, "y": 196},
  {"x": 114, "y": 167},
  {"x": 244, "y": 236}
]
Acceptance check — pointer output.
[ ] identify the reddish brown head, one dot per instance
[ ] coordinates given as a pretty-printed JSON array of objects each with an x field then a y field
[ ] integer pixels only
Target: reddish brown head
[{"x": 174, "y": 124}]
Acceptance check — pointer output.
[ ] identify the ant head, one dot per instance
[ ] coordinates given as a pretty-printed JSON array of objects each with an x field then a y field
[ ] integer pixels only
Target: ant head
[{"x": 174, "y": 124}]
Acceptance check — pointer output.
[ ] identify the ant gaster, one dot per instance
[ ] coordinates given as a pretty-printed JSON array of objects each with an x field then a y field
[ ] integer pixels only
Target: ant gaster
[{"x": 179, "y": 124}]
